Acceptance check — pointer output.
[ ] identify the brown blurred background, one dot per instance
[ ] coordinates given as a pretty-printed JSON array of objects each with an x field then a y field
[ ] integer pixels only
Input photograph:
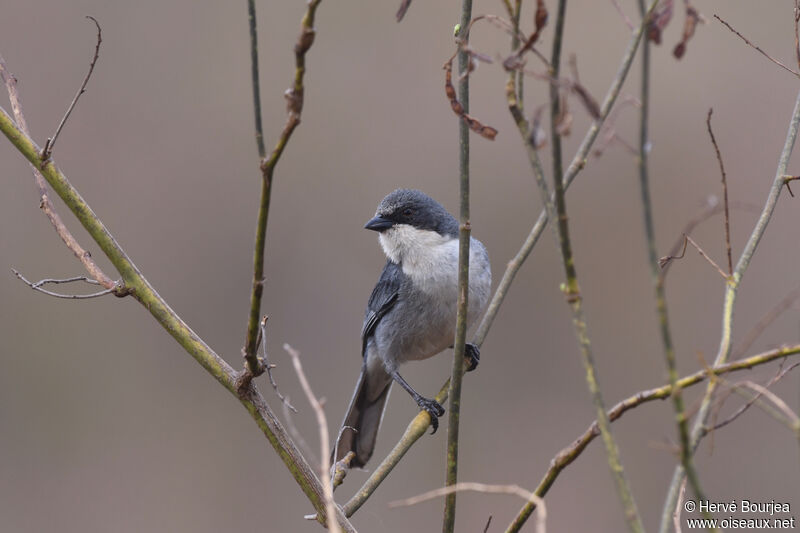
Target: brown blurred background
[{"x": 108, "y": 425}]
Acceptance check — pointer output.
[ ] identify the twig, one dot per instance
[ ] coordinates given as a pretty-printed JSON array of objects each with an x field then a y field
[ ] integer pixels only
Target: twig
[
  {"x": 268, "y": 366},
  {"x": 665, "y": 261},
  {"x": 37, "y": 286},
  {"x": 47, "y": 151},
  {"x": 516, "y": 490},
  {"x": 787, "y": 180},
  {"x": 676, "y": 515},
  {"x": 753, "y": 400},
  {"x": 488, "y": 523},
  {"x": 401, "y": 11},
  {"x": 742, "y": 37},
  {"x": 325, "y": 453},
  {"x": 453, "y": 420},
  {"x": 44, "y": 200},
  {"x": 419, "y": 424},
  {"x": 797, "y": 30},
  {"x": 759, "y": 327},
  {"x": 622, "y": 14},
  {"x": 724, "y": 192},
  {"x": 294, "y": 99},
  {"x": 698, "y": 428}
]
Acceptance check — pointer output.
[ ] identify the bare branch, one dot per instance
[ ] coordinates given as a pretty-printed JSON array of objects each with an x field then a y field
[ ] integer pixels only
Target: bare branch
[
  {"x": 724, "y": 193},
  {"x": 37, "y": 286},
  {"x": 51, "y": 142},
  {"x": 528, "y": 496},
  {"x": 325, "y": 453},
  {"x": 742, "y": 37},
  {"x": 269, "y": 366}
]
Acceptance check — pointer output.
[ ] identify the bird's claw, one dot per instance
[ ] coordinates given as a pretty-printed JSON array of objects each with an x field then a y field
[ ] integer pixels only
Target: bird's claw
[
  {"x": 473, "y": 355},
  {"x": 434, "y": 409}
]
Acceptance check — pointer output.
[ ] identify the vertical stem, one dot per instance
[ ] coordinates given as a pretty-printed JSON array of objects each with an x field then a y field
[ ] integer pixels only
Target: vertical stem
[
  {"x": 657, "y": 278},
  {"x": 451, "y": 478},
  {"x": 572, "y": 289}
]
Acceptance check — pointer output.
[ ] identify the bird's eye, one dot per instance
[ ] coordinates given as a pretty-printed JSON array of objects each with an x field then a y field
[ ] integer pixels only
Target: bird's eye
[{"x": 408, "y": 212}]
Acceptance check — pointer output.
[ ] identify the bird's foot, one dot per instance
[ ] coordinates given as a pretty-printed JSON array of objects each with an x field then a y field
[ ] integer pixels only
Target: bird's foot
[
  {"x": 434, "y": 409},
  {"x": 473, "y": 355}
]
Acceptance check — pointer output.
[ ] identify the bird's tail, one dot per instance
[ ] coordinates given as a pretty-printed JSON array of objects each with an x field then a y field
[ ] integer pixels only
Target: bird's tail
[{"x": 363, "y": 419}]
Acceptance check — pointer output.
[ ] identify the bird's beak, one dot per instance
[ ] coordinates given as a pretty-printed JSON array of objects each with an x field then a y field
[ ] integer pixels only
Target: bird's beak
[{"x": 379, "y": 224}]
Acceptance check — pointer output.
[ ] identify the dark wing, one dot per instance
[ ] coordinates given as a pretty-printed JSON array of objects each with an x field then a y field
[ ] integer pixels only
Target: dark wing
[{"x": 382, "y": 299}]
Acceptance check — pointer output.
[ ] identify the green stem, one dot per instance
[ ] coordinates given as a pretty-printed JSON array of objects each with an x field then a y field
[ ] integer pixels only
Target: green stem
[
  {"x": 572, "y": 289},
  {"x": 144, "y": 293},
  {"x": 699, "y": 428},
  {"x": 658, "y": 280},
  {"x": 451, "y": 476},
  {"x": 294, "y": 97}
]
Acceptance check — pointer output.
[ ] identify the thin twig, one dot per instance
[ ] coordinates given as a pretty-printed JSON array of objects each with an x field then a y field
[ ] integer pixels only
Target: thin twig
[
  {"x": 753, "y": 400},
  {"x": 797, "y": 30},
  {"x": 742, "y": 37},
  {"x": 37, "y": 286},
  {"x": 724, "y": 192},
  {"x": 664, "y": 261},
  {"x": 759, "y": 327},
  {"x": 294, "y": 99},
  {"x": 516, "y": 490},
  {"x": 44, "y": 200},
  {"x": 47, "y": 151},
  {"x": 622, "y": 14},
  {"x": 269, "y": 366},
  {"x": 325, "y": 453}
]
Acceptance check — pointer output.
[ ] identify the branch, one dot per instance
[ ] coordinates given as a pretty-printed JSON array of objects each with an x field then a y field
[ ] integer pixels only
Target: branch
[
  {"x": 655, "y": 273},
  {"x": 541, "y": 519},
  {"x": 451, "y": 473},
  {"x": 325, "y": 452},
  {"x": 572, "y": 289},
  {"x": 294, "y": 104},
  {"x": 724, "y": 192},
  {"x": 762, "y": 52},
  {"x": 37, "y": 286},
  {"x": 731, "y": 287},
  {"x": 144, "y": 293},
  {"x": 44, "y": 200},
  {"x": 421, "y": 421},
  {"x": 47, "y": 151},
  {"x": 566, "y": 456}
]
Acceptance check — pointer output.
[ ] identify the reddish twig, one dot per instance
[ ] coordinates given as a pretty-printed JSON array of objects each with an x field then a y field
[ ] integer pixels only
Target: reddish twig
[
  {"x": 762, "y": 52},
  {"x": 664, "y": 261},
  {"x": 51, "y": 142},
  {"x": 724, "y": 193}
]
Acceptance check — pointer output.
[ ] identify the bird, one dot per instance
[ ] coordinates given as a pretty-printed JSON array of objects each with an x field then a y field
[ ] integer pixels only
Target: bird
[{"x": 411, "y": 313}]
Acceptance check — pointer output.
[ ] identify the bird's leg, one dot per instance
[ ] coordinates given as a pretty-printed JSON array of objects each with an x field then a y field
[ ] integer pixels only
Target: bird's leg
[
  {"x": 431, "y": 406},
  {"x": 473, "y": 355}
]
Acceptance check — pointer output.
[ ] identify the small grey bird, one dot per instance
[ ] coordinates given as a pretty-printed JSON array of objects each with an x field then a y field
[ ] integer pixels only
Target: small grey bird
[{"x": 411, "y": 314}]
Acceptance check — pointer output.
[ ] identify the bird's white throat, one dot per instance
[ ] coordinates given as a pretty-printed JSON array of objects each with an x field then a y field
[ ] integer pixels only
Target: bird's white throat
[{"x": 421, "y": 253}]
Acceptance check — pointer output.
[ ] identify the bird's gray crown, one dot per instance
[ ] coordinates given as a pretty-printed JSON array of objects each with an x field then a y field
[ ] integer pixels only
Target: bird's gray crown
[{"x": 417, "y": 209}]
